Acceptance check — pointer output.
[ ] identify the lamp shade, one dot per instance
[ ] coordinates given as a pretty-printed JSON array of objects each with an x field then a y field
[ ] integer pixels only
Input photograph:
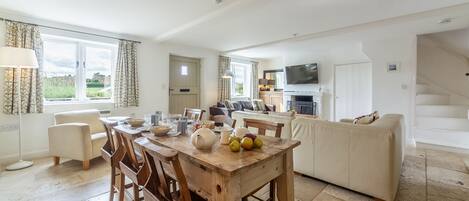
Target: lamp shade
[{"x": 13, "y": 57}]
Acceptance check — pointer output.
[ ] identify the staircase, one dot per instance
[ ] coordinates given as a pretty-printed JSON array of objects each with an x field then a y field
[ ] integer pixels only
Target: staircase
[{"x": 438, "y": 121}]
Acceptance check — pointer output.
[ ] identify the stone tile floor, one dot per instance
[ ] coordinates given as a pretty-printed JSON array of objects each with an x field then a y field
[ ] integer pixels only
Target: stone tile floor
[{"x": 427, "y": 175}]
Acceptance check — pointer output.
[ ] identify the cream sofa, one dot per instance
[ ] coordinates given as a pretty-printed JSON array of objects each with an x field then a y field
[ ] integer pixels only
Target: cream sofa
[
  {"x": 77, "y": 135},
  {"x": 363, "y": 158},
  {"x": 286, "y": 120}
]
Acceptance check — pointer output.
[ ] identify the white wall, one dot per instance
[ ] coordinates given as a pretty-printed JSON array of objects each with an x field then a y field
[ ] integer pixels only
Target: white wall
[
  {"x": 391, "y": 92},
  {"x": 153, "y": 64},
  {"x": 394, "y": 92},
  {"x": 444, "y": 68},
  {"x": 326, "y": 58}
]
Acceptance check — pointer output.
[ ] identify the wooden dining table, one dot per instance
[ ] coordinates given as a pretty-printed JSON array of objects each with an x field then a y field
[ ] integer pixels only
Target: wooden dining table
[{"x": 219, "y": 174}]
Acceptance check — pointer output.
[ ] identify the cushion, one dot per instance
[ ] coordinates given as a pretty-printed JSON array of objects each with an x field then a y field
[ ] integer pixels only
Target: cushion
[
  {"x": 220, "y": 104},
  {"x": 247, "y": 105},
  {"x": 237, "y": 106},
  {"x": 258, "y": 105},
  {"x": 229, "y": 105},
  {"x": 366, "y": 119}
]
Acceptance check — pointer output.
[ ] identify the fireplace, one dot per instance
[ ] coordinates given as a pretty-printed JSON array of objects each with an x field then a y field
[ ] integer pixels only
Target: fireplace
[{"x": 303, "y": 105}]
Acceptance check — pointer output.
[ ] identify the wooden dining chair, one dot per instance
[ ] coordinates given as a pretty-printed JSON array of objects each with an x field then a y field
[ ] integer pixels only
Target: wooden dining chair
[
  {"x": 163, "y": 162},
  {"x": 112, "y": 153},
  {"x": 194, "y": 114},
  {"x": 131, "y": 165},
  {"x": 262, "y": 127}
]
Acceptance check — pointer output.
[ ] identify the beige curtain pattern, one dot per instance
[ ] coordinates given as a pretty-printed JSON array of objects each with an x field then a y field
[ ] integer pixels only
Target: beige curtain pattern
[
  {"x": 255, "y": 78},
  {"x": 126, "y": 92},
  {"x": 224, "y": 85},
  {"x": 23, "y": 36}
]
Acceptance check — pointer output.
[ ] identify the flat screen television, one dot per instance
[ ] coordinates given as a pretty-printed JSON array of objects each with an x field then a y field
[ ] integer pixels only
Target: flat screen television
[{"x": 302, "y": 74}]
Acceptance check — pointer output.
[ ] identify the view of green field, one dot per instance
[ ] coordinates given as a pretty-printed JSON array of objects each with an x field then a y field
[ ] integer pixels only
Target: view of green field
[{"x": 57, "y": 89}]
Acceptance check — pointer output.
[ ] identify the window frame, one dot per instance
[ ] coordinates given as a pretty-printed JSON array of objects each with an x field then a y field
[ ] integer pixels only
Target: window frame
[
  {"x": 80, "y": 70},
  {"x": 247, "y": 79}
]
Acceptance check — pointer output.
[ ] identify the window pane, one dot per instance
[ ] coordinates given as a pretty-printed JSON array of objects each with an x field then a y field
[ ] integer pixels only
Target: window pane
[
  {"x": 60, "y": 62},
  {"x": 238, "y": 72},
  {"x": 98, "y": 73}
]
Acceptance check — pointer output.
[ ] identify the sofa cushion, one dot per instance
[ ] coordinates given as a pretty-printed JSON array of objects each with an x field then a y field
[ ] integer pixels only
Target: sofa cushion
[
  {"x": 246, "y": 105},
  {"x": 366, "y": 119},
  {"x": 229, "y": 105},
  {"x": 258, "y": 105},
  {"x": 287, "y": 114}
]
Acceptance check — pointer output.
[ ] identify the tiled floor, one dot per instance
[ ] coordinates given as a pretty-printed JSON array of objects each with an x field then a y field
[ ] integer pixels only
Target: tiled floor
[{"x": 427, "y": 175}]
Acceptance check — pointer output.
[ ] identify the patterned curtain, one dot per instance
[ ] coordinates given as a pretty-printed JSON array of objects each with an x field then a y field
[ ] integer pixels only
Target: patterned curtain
[
  {"x": 126, "y": 82},
  {"x": 224, "y": 85},
  {"x": 23, "y": 36},
  {"x": 255, "y": 78}
]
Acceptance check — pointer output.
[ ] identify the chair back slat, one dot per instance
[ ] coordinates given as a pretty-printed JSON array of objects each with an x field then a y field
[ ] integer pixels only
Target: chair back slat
[
  {"x": 262, "y": 126},
  {"x": 127, "y": 139},
  {"x": 108, "y": 127},
  {"x": 160, "y": 158},
  {"x": 194, "y": 114}
]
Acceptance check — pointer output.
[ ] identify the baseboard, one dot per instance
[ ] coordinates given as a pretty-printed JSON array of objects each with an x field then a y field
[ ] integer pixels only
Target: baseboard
[
  {"x": 26, "y": 156},
  {"x": 442, "y": 148}
]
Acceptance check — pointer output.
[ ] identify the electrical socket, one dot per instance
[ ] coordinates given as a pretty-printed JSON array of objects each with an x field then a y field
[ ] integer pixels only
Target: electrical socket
[{"x": 8, "y": 127}]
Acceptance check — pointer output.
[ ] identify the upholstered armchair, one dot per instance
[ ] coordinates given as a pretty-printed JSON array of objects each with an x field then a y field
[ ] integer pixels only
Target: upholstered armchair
[{"x": 77, "y": 135}]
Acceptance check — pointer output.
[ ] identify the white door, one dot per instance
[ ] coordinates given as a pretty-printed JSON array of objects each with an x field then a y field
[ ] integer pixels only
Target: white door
[
  {"x": 352, "y": 90},
  {"x": 184, "y": 83}
]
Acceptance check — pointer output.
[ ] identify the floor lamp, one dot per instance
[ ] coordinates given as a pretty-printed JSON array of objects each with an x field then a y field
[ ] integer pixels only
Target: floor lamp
[{"x": 12, "y": 57}]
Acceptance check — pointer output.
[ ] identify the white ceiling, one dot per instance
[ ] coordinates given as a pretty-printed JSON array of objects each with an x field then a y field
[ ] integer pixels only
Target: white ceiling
[{"x": 231, "y": 25}]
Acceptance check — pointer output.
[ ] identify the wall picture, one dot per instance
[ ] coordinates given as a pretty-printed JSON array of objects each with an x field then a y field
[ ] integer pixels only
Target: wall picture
[{"x": 393, "y": 67}]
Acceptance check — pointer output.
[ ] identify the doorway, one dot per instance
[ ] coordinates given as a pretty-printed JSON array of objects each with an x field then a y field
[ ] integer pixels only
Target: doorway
[
  {"x": 184, "y": 83},
  {"x": 352, "y": 90}
]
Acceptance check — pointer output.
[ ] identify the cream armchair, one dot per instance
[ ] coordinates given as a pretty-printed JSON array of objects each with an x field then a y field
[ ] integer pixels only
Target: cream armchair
[{"x": 77, "y": 135}]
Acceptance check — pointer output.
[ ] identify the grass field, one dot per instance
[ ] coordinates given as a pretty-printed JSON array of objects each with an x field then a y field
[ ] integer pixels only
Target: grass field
[{"x": 62, "y": 91}]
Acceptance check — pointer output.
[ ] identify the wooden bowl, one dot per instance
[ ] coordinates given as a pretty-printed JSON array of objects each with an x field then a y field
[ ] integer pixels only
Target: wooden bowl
[
  {"x": 135, "y": 122},
  {"x": 160, "y": 130}
]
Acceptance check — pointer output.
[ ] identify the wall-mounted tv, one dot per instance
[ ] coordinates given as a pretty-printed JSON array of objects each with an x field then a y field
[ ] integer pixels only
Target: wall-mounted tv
[{"x": 302, "y": 74}]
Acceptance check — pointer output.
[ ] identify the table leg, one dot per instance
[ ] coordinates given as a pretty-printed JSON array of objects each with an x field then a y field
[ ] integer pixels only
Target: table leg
[
  {"x": 226, "y": 188},
  {"x": 285, "y": 189}
]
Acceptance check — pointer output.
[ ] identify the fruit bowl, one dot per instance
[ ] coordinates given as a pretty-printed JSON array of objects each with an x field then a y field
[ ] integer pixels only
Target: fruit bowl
[
  {"x": 135, "y": 122},
  {"x": 160, "y": 130}
]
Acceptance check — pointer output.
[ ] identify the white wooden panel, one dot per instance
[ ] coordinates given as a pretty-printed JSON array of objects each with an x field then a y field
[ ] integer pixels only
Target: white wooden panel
[{"x": 353, "y": 90}]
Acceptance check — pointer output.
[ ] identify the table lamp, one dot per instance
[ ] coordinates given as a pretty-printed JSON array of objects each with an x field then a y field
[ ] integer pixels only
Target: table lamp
[{"x": 12, "y": 57}]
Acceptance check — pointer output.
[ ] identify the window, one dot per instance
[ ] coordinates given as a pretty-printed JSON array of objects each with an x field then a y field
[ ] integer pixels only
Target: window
[
  {"x": 77, "y": 71},
  {"x": 241, "y": 81}
]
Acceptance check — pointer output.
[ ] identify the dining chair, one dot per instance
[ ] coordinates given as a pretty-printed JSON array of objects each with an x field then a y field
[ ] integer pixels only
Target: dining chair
[
  {"x": 112, "y": 153},
  {"x": 163, "y": 164},
  {"x": 194, "y": 114},
  {"x": 131, "y": 164},
  {"x": 262, "y": 127}
]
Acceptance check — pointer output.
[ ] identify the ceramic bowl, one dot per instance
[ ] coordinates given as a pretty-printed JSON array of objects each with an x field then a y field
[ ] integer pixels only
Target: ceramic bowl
[
  {"x": 160, "y": 130},
  {"x": 135, "y": 122}
]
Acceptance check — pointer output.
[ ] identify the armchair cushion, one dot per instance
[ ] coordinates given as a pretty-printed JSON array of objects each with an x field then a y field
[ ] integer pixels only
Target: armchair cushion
[{"x": 90, "y": 117}]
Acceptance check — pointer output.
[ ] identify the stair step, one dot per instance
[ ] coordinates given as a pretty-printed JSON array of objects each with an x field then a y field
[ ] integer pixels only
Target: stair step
[
  {"x": 460, "y": 124},
  {"x": 454, "y": 111},
  {"x": 449, "y": 138},
  {"x": 432, "y": 99},
  {"x": 425, "y": 89}
]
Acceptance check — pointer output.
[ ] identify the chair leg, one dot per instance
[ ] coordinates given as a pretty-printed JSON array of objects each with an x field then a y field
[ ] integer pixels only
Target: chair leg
[
  {"x": 56, "y": 160},
  {"x": 113, "y": 183},
  {"x": 86, "y": 165},
  {"x": 136, "y": 194},
  {"x": 272, "y": 190},
  {"x": 245, "y": 199},
  {"x": 122, "y": 187}
]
